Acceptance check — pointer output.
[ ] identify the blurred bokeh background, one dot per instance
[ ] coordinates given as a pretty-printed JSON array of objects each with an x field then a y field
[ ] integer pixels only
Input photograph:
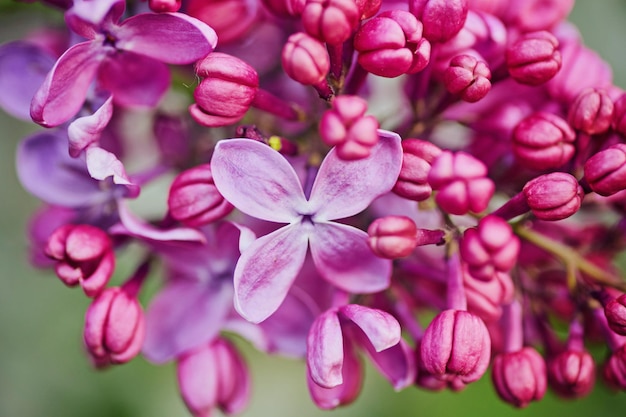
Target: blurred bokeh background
[{"x": 43, "y": 371}]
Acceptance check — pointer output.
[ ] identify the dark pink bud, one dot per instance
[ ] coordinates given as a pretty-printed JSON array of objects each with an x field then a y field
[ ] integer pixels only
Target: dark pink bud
[
  {"x": 194, "y": 199},
  {"x": 114, "y": 327},
  {"x": 461, "y": 182},
  {"x": 164, "y": 6},
  {"x": 456, "y": 345},
  {"x": 553, "y": 196},
  {"x": 487, "y": 298},
  {"x": 534, "y": 58},
  {"x": 520, "y": 377},
  {"x": 591, "y": 112},
  {"x": 614, "y": 371},
  {"x": 85, "y": 256},
  {"x": 615, "y": 311},
  {"x": 285, "y": 8},
  {"x": 345, "y": 126},
  {"x": 543, "y": 141},
  {"x": 619, "y": 115},
  {"x": 392, "y": 236},
  {"x": 442, "y": 19},
  {"x": 231, "y": 19},
  {"x": 305, "y": 59},
  {"x": 391, "y": 44},
  {"x": 226, "y": 92},
  {"x": 532, "y": 15},
  {"x": 330, "y": 21},
  {"x": 605, "y": 171},
  {"x": 417, "y": 156},
  {"x": 467, "y": 77},
  {"x": 214, "y": 376},
  {"x": 572, "y": 373},
  {"x": 368, "y": 8},
  {"x": 489, "y": 248}
]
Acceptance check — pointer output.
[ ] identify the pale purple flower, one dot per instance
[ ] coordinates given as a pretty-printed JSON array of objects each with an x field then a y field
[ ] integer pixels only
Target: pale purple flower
[{"x": 261, "y": 183}]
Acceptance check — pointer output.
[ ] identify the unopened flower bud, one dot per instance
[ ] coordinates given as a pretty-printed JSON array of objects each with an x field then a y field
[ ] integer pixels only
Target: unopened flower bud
[
  {"x": 305, "y": 59},
  {"x": 520, "y": 377},
  {"x": 614, "y": 371},
  {"x": 591, "y": 112},
  {"x": 346, "y": 127},
  {"x": 396, "y": 236},
  {"x": 194, "y": 200},
  {"x": 553, "y": 196},
  {"x": 619, "y": 115},
  {"x": 214, "y": 376},
  {"x": 330, "y": 21},
  {"x": 543, "y": 141},
  {"x": 534, "y": 58},
  {"x": 285, "y": 8},
  {"x": 164, "y": 6},
  {"x": 231, "y": 19},
  {"x": 114, "y": 327},
  {"x": 442, "y": 19},
  {"x": 605, "y": 171},
  {"x": 226, "y": 92},
  {"x": 417, "y": 156},
  {"x": 456, "y": 345},
  {"x": 368, "y": 8},
  {"x": 489, "y": 248},
  {"x": 532, "y": 15},
  {"x": 391, "y": 44},
  {"x": 85, "y": 257},
  {"x": 467, "y": 77},
  {"x": 486, "y": 299},
  {"x": 572, "y": 373},
  {"x": 615, "y": 311},
  {"x": 461, "y": 182}
]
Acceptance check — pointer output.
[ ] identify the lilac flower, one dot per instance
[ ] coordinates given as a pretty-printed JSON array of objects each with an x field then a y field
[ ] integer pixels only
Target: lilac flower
[
  {"x": 128, "y": 59},
  {"x": 260, "y": 182}
]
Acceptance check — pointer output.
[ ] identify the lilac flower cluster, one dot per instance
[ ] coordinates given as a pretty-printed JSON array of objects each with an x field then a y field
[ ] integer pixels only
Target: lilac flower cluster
[{"x": 339, "y": 172}]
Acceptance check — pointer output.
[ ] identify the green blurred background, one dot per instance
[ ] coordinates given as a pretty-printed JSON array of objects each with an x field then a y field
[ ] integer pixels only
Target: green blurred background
[{"x": 43, "y": 371}]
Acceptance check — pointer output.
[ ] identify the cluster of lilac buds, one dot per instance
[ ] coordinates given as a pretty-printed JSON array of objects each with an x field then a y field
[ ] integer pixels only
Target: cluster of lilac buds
[{"x": 438, "y": 186}]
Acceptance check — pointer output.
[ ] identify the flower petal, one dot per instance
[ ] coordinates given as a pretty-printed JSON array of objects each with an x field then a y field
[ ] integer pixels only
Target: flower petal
[
  {"x": 257, "y": 180},
  {"x": 173, "y": 38},
  {"x": 342, "y": 257},
  {"x": 266, "y": 270},
  {"x": 102, "y": 164},
  {"x": 86, "y": 130},
  {"x": 184, "y": 315},
  {"x": 396, "y": 363},
  {"x": 325, "y": 350},
  {"x": 381, "y": 328},
  {"x": 64, "y": 90},
  {"x": 345, "y": 188},
  {"x": 198, "y": 382},
  {"x": 23, "y": 68}
]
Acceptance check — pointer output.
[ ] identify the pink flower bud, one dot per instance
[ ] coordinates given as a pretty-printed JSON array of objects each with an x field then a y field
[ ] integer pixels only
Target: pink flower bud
[
  {"x": 214, "y": 376},
  {"x": 346, "y": 127},
  {"x": 605, "y": 171},
  {"x": 85, "y": 256},
  {"x": 231, "y": 19},
  {"x": 368, "y": 8},
  {"x": 330, "y": 21},
  {"x": 462, "y": 183},
  {"x": 442, "y": 19},
  {"x": 543, "y": 141},
  {"x": 164, "y": 6},
  {"x": 614, "y": 371},
  {"x": 489, "y": 248},
  {"x": 417, "y": 156},
  {"x": 591, "y": 112},
  {"x": 553, "y": 196},
  {"x": 194, "y": 199},
  {"x": 226, "y": 92},
  {"x": 572, "y": 373},
  {"x": 114, "y": 327},
  {"x": 456, "y": 345},
  {"x": 467, "y": 77},
  {"x": 285, "y": 8},
  {"x": 392, "y": 236},
  {"x": 520, "y": 377},
  {"x": 487, "y": 298},
  {"x": 615, "y": 311},
  {"x": 391, "y": 44},
  {"x": 534, "y": 58},
  {"x": 305, "y": 59},
  {"x": 619, "y": 115}
]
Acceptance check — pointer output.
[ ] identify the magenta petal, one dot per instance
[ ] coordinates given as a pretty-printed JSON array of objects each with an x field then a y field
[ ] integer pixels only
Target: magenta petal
[
  {"x": 198, "y": 374},
  {"x": 344, "y": 188},
  {"x": 173, "y": 38},
  {"x": 184, "y": 315},
  {"x": 342, "y": 257},
  {"x": 86, "y": 130},
  {"x": 325, "y": 350},
  {"x": 134, "y": 80},
  {"x": 64, "y": 90},
  {"x": 381, "y": 328},
  {"x": 257, "y": 180},
  {"x": 86, "y": 16},
  {"x": 266, "y": 270},
  {"x": 396, "y": 363}
]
